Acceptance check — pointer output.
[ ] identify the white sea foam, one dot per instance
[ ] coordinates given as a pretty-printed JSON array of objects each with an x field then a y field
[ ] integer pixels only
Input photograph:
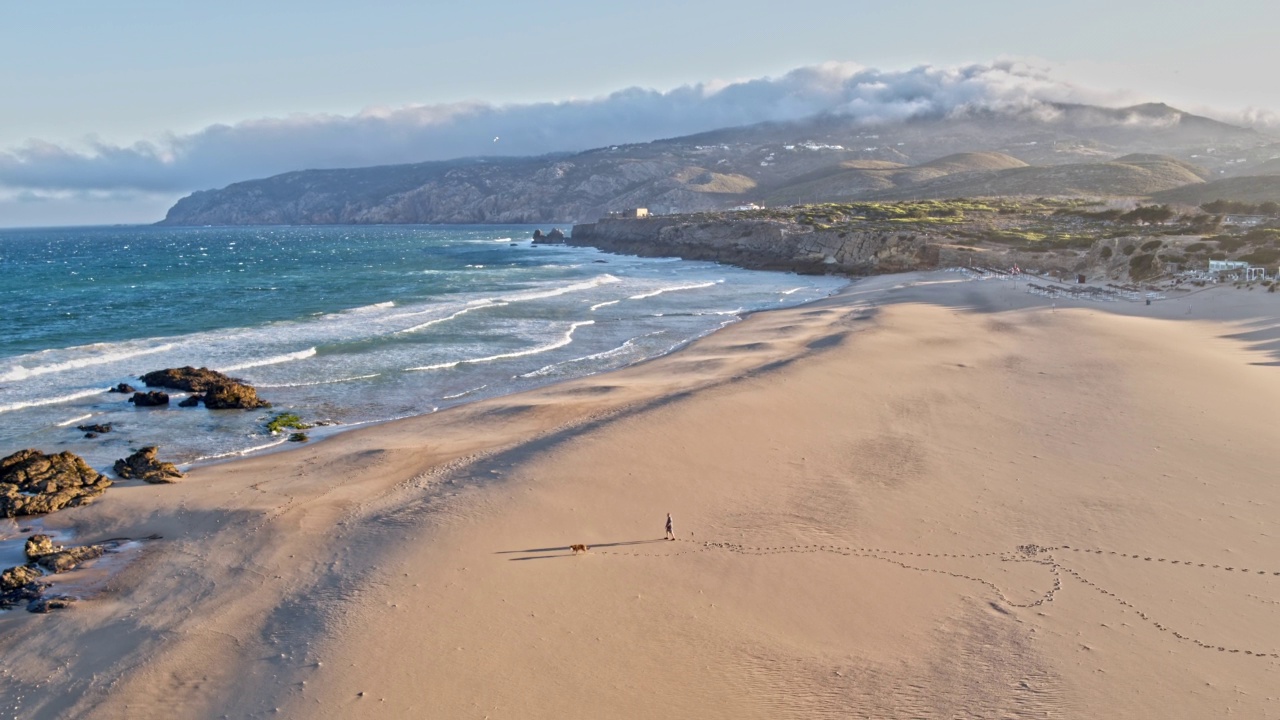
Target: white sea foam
[
  {"x": 594, "y": 356},
  {"x": 275, "y": 360},
  {"x": 245, "y": 451},
  {"x": 594, "y": 282},
  {"x": 464, "y": 393},
  {"x": 50, "y": 401},
  {"x": 19, "y": 372},
  {"x": 675, "y": 288},
  {"x": 792, "y": 290},
  {"x": 319, "y": 382},
  {"x": 73, "y": 420},
  {"x": 568, "y": 338},
  {"x": 477, "y": 306},
  {"x": 597, "y": 306}
]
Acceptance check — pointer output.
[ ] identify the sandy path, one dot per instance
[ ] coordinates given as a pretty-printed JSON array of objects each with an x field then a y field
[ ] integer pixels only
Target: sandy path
[{"x": 851, "y": 484}]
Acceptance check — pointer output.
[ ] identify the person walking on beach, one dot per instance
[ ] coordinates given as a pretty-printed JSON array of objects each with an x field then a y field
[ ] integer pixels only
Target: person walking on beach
[{"x": 671, "y": 534}]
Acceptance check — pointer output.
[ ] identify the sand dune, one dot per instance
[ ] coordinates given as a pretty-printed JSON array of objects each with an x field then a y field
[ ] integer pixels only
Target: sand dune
[{"x": 921, "y": 498}]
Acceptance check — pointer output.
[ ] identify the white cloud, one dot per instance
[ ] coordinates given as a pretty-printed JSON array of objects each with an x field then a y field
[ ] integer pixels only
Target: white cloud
[{"x": 221, "y": 154}]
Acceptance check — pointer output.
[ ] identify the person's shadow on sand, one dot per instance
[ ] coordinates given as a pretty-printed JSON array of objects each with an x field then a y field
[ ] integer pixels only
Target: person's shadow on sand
[{"x": 566, "y": 550}]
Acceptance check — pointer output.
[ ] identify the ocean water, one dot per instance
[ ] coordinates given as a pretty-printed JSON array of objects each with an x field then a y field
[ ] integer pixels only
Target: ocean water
[{"x": 348, "y": 325}]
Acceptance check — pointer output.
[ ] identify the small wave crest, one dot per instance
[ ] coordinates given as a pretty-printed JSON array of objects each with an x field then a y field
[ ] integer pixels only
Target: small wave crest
[
  {"x": 565, "y": 340},
  {"x": 275, "y": 360},
  {"x": 476, "y": 306},
  {"x": 243, "y": 451},
  {"x": 464, "y": 393},
  {"x": 320, "y": 382},
  {"x": 675, "y": 288},
  {"x": 594, "y": 282},
  {"x": 50, "y": 401},
  {"x": 594, "y": 356},
  {"x": 73, "y": 420},
  {"x": 19, "y": 372},
  {"x": 597, "y": 306}
]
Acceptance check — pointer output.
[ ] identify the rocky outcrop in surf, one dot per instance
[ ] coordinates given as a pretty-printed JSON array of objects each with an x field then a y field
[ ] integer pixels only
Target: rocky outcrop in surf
[
  {"x": 153, "y": 398},
  {"x": 764, "y": 244},
  {"x": 33, "y": 483},
  {"x": 216, "y": 390},
  {"x": 555, "y": 237},
  {"x": 144, "y": 465}
]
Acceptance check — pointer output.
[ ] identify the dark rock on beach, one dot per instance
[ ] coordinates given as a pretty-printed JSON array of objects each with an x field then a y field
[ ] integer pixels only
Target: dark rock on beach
[
  {"x": 40, "y": 545},
  {"x": 23, "y": 584},
  {"x": 69, "y": 559},
  {"x": 219, "y": 391},
  {"x": 144, "y": 465},
  {"x": 33, "y": 483},
  {"x": 191, "y": 401},
  {"x": 48, "y": 604},
  {"x": 18, "y": 577},
  {"x": 150, "y": 399},
  {"x": 122, "y": 388},
  {"x": 96, "y": 429}
]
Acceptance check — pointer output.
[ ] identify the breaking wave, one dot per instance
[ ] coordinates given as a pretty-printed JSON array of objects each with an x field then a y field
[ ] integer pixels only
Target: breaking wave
[
  {"x": 275, "y": 360},
  {"x": 18, "y": 372},
  {"x": 674, "y": 288},
  {"x": 568, "y": 338},
  {"x": 50, "y": 401}
]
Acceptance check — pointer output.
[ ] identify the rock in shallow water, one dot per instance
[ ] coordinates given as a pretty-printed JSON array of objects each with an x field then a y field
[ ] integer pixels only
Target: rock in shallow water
[
  {"x": 229, "y": 396},
  {"x": 149, "y": 399},
  {"x": 68, "y": 559},
  {"x": 219, "y": 391},
  {"x": 39, "y": 546},
  {"x": 33, "y": 483},
  {"x": 144, "y": 465},
  {"x": 19, "y": 577}
]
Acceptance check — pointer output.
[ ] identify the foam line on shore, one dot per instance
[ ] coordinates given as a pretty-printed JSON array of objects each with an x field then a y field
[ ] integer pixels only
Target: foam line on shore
[
  {"x": 463, "y": 311},
  {"x": 594, "y": 356},
  {"x": 320, "y": 382},
  {"x": 568, "y": 338},
  {"x": 274, "y": 360},
  {"x": 675, "y": 288}
]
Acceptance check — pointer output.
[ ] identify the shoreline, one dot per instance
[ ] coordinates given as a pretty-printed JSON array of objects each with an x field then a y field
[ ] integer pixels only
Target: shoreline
[
  {"x": 333, "y": 431},
  {"x": 276, "y": 558}
]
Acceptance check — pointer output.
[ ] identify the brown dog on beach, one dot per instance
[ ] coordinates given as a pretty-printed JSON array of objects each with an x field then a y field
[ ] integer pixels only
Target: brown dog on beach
[{"x": 578, "y": 547}]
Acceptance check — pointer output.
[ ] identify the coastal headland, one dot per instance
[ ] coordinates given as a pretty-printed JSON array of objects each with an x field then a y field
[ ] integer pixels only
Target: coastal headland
[{"x": 930, "y": 495}]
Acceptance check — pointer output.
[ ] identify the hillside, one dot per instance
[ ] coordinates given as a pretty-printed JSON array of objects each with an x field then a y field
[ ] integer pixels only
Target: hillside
[
  {"x": 1239, "y": 189},
  {"x": 1268, "y": 167},
  {"x": 1133, "y": 176},
  {"x": 828, "y": 157}
]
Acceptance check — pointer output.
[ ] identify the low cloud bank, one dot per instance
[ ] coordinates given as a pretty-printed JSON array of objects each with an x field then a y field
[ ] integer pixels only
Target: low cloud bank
[{"x": 221, "y": 154}]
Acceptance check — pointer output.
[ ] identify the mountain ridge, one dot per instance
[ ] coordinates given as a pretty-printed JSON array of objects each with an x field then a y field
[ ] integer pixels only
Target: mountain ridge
[{"x": 822, "y": 157}]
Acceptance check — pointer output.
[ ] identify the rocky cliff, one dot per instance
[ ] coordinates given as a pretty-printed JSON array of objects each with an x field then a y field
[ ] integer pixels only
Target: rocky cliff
[{"x": 764, "y": 244}]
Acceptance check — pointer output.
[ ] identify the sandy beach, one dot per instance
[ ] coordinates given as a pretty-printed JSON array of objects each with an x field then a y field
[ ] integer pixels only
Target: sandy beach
[{"x": 925, "y": 497}]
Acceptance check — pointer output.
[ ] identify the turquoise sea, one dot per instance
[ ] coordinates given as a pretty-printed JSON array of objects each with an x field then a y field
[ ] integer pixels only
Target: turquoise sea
[{"x": 343, "y": 324}]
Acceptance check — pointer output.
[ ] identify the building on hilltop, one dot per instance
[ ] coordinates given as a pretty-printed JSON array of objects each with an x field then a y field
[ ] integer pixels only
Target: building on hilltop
[{"x": 632, "y": 213}]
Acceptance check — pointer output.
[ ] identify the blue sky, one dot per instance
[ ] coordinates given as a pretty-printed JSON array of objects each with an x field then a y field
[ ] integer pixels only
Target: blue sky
[{"x": 86, "y": 81}]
